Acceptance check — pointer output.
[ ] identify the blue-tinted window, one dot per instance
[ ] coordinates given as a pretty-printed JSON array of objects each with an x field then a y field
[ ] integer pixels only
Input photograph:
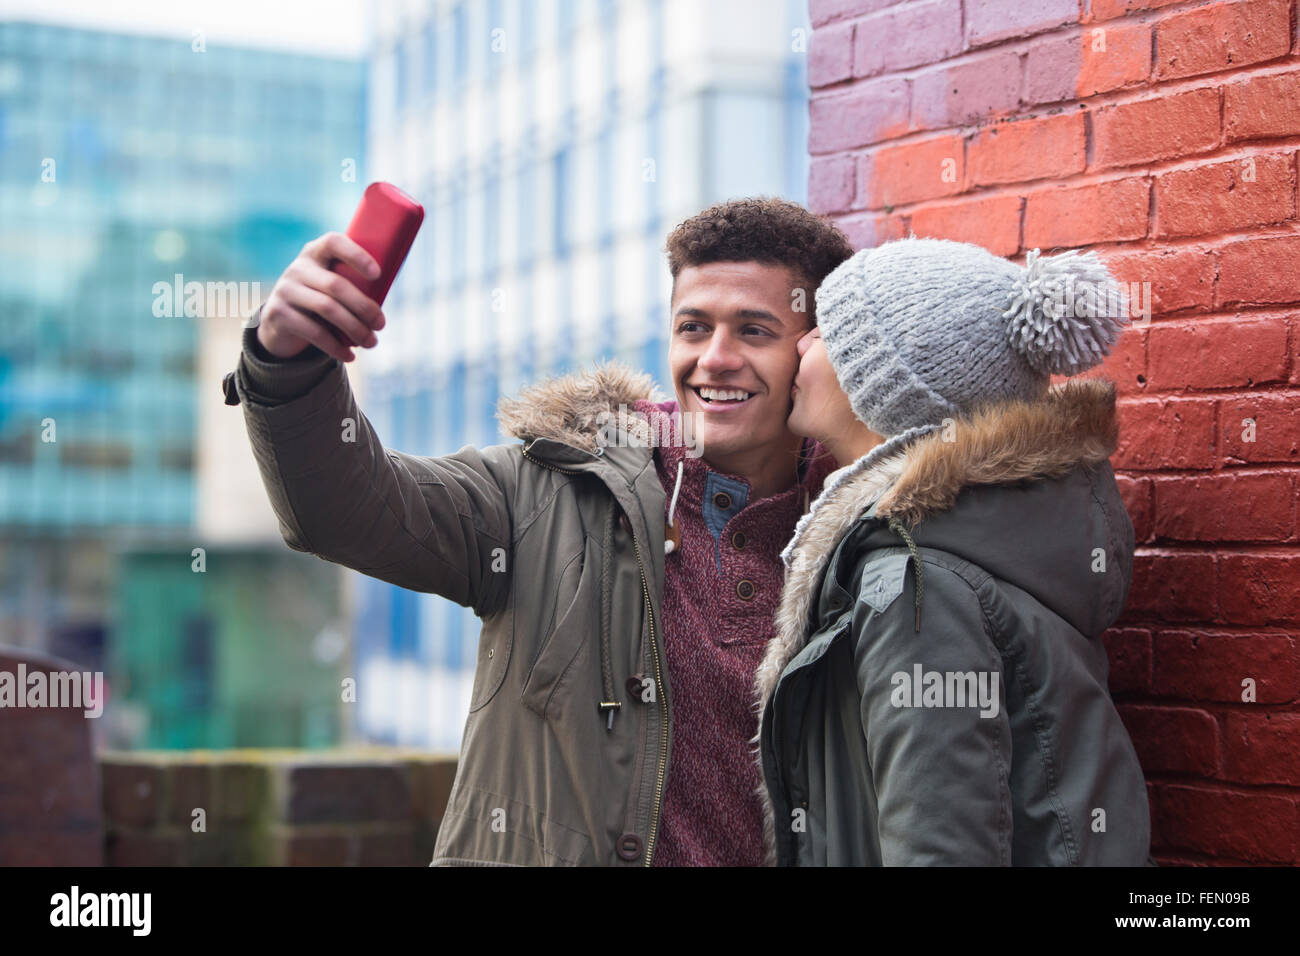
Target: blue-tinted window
[
  {"x": 524, "y": 207},
  {"x": 492, "y": 225},
  {"x": 400, "y": 67},
  {"x": 456, "y": 391},
  {"x": 496, "y": 60},
  {"x": 458, "y": 231},
  {"x": 568, "y": 14},
  {"x": 560, "y": 168},
  {"x": 605, "y": 185},
  {"x": 527, "y": 39},
  {"x": 460, "y": 30},
  {"x": 430, "y": 55}
]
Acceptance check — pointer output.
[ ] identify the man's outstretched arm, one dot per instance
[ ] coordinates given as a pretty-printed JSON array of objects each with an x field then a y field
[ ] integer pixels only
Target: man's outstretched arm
[{"x": 429, "y": 524}]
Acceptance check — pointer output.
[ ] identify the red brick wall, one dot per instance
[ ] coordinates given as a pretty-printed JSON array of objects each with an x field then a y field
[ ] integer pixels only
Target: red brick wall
[
  {"x": 49, "y": 814},
  {"x": 1164, "y": 135}
]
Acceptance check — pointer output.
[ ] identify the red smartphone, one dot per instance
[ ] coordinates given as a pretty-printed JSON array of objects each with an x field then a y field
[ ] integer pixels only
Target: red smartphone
[{"x": 384, "y": 225}]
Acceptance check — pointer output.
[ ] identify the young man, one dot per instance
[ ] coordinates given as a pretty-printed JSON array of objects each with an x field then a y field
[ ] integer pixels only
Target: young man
[{"x": 627, "y": 586}]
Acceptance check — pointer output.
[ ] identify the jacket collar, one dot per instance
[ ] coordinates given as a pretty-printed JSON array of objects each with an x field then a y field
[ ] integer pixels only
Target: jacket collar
[
  {"x": 581, "y": 421},
  {"x": 1013, "y": 441},
  {"x": 574, "y": 409}
]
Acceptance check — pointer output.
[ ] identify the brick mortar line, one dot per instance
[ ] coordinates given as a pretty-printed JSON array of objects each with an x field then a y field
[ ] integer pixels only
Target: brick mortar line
[
  {"x": 1022, "y": 46},
  {"x": 1087, "y": 177},
  {"x": 1148, "y": 90},
  {"x": 1233, "y": 787},
  {"x": 1220, "y": 630},
  {"x": 1221, "y": 549}
]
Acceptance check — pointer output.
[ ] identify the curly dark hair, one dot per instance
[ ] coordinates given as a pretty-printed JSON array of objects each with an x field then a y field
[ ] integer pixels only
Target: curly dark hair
[{"x": 762, "y": 229}]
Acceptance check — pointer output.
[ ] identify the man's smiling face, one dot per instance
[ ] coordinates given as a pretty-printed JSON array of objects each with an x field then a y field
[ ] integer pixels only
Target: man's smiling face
[{"x": 733, "y": 357}]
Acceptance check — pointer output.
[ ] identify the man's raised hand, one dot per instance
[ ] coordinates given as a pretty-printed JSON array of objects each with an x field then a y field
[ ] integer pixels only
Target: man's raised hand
[{"x": 310, "y": 305}]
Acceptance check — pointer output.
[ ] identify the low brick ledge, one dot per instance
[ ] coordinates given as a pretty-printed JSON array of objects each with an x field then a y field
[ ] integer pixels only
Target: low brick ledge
[{"x": 342, "y": 807}]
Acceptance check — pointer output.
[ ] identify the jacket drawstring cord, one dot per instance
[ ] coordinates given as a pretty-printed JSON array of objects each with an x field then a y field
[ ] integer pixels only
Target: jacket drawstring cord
[
  {"x": 898, "y": 528},
  {"x": 669, "y": 544}
]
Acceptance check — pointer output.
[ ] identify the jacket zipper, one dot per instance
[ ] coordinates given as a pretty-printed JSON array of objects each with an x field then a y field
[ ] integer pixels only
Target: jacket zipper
[
  {"x": 608, "y": 705},
  {"x": 663, "y": 698},
  {"x": 659, "y": 684}
]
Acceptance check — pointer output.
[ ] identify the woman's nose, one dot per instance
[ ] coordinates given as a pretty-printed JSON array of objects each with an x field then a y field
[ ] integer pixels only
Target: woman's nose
[{"x": 805, "y": 342}]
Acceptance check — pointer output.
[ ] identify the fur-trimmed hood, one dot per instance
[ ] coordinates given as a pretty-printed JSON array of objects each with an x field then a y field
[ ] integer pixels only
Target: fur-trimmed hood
[
  {"x": 1004, "y": 444},
  {"x": 574, "y": 408}
]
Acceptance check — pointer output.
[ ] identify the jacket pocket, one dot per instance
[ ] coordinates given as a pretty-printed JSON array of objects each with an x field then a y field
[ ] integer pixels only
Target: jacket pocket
[
  {"x": 572, "y": 629},
  {"x": 494, "y": 646}
]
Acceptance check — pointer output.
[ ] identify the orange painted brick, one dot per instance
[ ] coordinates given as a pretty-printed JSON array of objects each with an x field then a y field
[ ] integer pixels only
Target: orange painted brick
[
  {"x": 1260, "y": 428},
  {"x": 1261, "y": 748},
  {"x": 1126, "y": 363},
  {"x": 1081, "y": 215},
  {"x": 1136, "y": 493},
  {"x": 1262, "y": 106},
  {"x": 1163, "y": 127},
  {"x": 1171, "y": 587},
  {"x": 1259, "y": 588},
  {"x": 1238, "y": 352},
  {"x": 1210, "y": 667},
  {"x": 1259, "y": 270},
  {"x": 1250, "y": 827},
  {"x": 1129, "y": 651},
  {"x": 1173, "y": 739},
  {"x": 1040, "y": 148},
  {"x": 1222, "y": 36},
  {"x": 1166, "y": 433},
  {"x": 1109, "y": 9},
  {"x": 1114, "y": 57},
  {"x": 1179, "y": 277},
  {"x": 992, "y": 222},
  {"x": 895, "y": 175},
  {"x": 1230, "y": 506},
  {"x": 1224, "y": 197}
]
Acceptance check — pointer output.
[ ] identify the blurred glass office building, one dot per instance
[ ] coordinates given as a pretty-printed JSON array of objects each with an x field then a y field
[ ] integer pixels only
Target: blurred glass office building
[
  {"x": 131, "y": 166},
  {"x": 554, "y": 144}
]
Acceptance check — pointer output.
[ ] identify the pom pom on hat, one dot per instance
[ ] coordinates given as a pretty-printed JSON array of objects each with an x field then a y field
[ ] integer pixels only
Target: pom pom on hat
[{"x": 1057, "y": 312}]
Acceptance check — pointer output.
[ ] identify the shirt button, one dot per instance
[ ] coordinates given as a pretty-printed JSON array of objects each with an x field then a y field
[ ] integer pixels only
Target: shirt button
[
  {"x": 745, "y": 589},
  {"x": 738, "y": 540},
  {"x": 629, "y": 847},
  {"x": 634, "y": 684},
  {"x": 722, "y": 500}
]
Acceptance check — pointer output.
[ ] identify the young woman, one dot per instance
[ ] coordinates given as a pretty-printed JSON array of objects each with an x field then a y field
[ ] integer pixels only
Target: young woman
[{"x": 936, "y": 689}]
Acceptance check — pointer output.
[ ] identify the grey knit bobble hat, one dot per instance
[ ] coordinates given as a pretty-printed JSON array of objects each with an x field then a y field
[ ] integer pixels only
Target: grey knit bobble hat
[{"x": 919, "y": 330}]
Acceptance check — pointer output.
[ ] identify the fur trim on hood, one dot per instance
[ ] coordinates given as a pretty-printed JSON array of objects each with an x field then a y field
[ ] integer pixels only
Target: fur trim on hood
[
  {"x": 573, "y": 408},
  {"x": 1014, "y": 441}
]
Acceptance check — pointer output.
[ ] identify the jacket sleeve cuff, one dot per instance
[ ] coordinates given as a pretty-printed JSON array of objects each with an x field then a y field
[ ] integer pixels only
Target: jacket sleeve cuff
[{"x": 274, "y": 381}]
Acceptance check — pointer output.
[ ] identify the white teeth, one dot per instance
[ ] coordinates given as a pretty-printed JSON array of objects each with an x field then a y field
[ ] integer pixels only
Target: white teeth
[{"x": 724, "y": 394}]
